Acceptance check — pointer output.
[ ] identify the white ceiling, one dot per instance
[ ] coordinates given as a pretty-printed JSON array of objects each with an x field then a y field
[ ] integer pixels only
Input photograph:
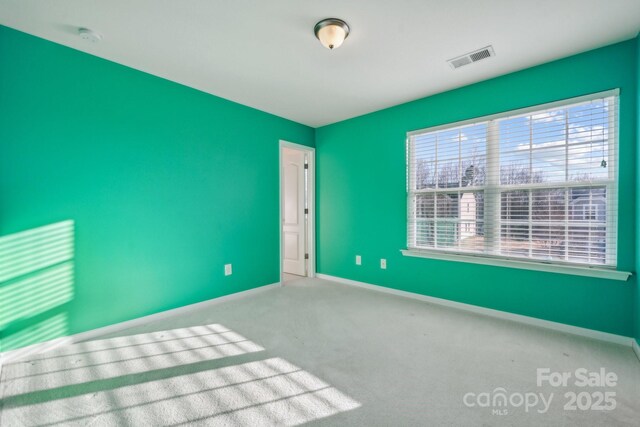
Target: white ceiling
[{"x": 264, "y": 54}]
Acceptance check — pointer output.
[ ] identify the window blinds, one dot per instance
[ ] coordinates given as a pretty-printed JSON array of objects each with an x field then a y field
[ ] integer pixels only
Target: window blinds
[{"x": 537, "y": 184}]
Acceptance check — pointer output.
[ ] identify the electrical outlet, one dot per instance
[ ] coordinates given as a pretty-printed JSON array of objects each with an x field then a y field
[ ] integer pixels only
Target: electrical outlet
[
  {"x": 383, "y": 264},
  {"x": 358, "y": 260},
  {"x": 227, "y": 270}
]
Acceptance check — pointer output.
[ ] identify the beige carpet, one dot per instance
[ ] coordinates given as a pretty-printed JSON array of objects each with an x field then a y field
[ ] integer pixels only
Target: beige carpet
[{"x": 320, "y": 353}]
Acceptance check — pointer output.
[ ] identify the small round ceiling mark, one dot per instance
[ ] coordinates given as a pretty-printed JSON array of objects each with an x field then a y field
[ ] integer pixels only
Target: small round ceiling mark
[{"x": 89, "y": 35}]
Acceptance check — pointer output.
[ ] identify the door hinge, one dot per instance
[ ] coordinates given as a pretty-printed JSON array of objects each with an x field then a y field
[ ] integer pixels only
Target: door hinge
[
  {"x": 306, "y": 256},
  {"x": 306, "y": 165},
  {"x": 306, "y": 211}
]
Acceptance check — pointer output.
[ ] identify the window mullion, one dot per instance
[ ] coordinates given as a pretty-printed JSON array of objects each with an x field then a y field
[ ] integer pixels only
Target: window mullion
[
  {"x": 460, "y": 174},
  {"x": 435, "y": 198},
  {"x": 492, "y": 191},
  {"x": 530, "y": 236},
  {"x": 566, "y": 190},
  {"x": 566, "y": 146},
  {"x": 566, "y": 224},
  {"x": 530, "y": 192}
]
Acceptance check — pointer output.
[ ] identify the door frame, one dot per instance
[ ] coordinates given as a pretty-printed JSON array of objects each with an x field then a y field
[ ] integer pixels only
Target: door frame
[{"x": 311, "y": 203}]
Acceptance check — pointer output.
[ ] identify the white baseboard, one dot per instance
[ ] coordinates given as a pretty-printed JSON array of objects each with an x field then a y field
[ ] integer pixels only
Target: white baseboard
[
  {"x": 45, "y": 346},
  {"x": 575, "y": 330},
  {"x": 636, "y": 348}
]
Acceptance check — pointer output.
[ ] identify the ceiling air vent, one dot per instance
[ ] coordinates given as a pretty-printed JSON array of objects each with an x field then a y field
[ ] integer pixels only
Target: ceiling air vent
[{"x": 471, "y": 57}]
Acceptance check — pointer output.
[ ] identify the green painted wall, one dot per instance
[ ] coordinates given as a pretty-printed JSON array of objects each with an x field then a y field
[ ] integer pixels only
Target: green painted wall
[
  {"x": 165, "y": 184},
  {"x": 362, "y": 196},
  {"x": 637, "y": 294}
]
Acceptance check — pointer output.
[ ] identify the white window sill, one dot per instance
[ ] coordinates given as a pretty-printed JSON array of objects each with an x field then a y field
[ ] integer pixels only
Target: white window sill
[{"x": 602, "y": 273}]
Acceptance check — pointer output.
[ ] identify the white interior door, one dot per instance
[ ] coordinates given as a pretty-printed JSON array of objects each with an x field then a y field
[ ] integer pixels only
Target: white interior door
[{"x": 293, "y": 216}]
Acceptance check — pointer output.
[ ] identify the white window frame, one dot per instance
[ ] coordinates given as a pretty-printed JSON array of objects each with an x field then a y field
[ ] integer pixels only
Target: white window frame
[{"x": 493, "y": 189}]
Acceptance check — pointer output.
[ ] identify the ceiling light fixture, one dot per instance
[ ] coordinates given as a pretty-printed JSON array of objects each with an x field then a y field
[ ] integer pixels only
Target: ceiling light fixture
[{"x": 331, "y": 32}]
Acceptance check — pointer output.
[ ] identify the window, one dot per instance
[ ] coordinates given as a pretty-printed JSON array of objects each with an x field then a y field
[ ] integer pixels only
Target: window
[{"x": 538, "y": 184}]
